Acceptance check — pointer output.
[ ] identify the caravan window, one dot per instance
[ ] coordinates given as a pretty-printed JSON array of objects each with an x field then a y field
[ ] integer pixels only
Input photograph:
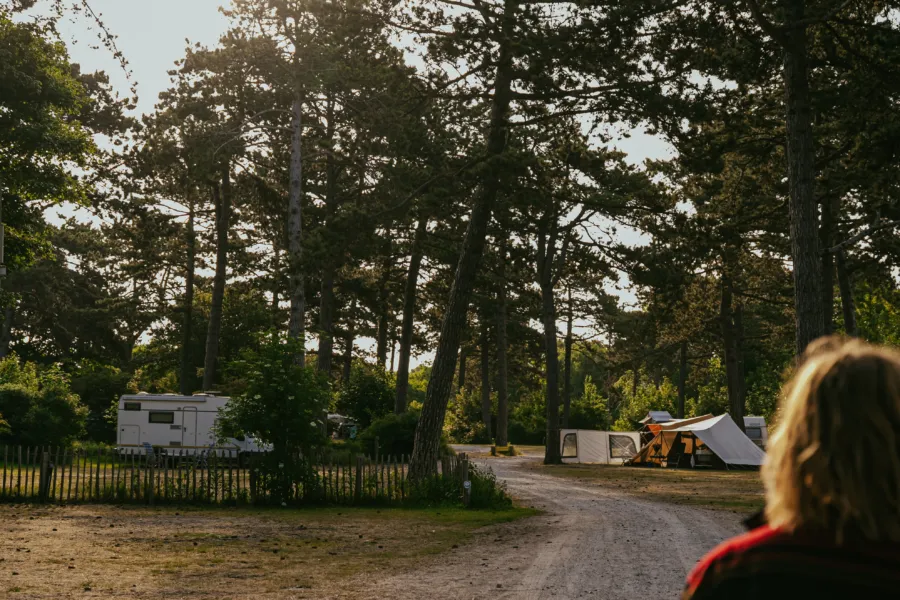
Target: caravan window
[
  {"x": 621, "y": 446},
  {"x": 570, "y": 446},
  {"x": 159, "y": 416},
  {"x": 132, "y": 406},
  {"x": 754, "y": 433}
]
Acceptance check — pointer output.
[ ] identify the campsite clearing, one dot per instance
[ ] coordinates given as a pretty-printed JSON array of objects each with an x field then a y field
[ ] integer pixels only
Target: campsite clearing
[
  {"x": 101, "y": 551},
  {"x": 739, "y": 491}
]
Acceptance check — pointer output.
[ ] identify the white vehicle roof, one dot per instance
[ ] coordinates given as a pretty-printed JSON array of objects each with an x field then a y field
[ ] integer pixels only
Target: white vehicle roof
[{"x": 199, "y": 398}]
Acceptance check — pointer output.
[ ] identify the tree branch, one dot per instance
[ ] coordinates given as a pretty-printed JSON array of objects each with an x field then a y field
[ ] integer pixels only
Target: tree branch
[
  {"x": 862, "y": 234},
  {"x": 772, "y": 30}
]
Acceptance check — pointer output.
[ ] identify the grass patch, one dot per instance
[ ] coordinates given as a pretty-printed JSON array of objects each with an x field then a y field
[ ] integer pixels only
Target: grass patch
[
  {"x": 180, "y": 552},
  {"x": 739, "y": 491}
]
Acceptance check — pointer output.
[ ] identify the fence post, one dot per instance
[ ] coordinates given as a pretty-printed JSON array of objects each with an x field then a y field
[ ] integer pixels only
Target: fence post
[
  {"x": 376, "y": 449},
  {"x": 151, "y": 482},
  {"x": 44, "y": 484},
  {"x": 466, "y": 484},
  {"x": 357, "y": 492}
]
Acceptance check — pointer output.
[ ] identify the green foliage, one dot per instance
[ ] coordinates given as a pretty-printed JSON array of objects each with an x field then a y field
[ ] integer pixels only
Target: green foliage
[
  {"x": 486, "y": 491},
  {"x": 369, "y": 395},
  {"x": 280, "y": 403},
  {"x": 99, "y": 386},
  {"x": 712, "y": 393},
  {"x": 38, "y": 405},
  {"x": 635, "y": 406},
  {"x": 395, "y": 435},
  {"x": 463, "y": 424},
  {"x": 528, "y": 419},
  {"x": 590, "y": 410},
  {"x": 878, "y": 314},
  {"x": 418, "y": 384}
]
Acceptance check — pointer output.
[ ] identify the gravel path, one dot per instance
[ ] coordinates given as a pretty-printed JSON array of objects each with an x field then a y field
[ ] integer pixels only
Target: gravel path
[{"x": 592, "y": 542}]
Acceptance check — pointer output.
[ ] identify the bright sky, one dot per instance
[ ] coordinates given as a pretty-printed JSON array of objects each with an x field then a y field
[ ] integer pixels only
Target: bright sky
[{"x": 152, "y": 34}]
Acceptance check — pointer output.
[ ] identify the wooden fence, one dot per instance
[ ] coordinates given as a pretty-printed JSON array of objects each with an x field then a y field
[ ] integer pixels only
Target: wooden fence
[{"x": 223, "y": 477}]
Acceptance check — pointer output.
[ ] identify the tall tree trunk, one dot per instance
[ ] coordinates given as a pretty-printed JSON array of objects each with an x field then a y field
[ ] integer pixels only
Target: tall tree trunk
[
  {"x": 502, "y": 372},
  {"x": 186, "y": 381},
  {"x": 463, "y": 358},
  {"x": 326, "y": 296},
  {"x": 567, "y": 366},
  {"x": 426, "y": 447},
  {"x": 9, "y": 313},
  {"x": 393, "y": 351},
  {"x": 223, "y": 216},
  {"x": 733, "y": 359},
  {"x": 846, "y": 287},
  {"x": 801, "y": 180},
  {"x": 348, "y": 343},
  {"x": 548, "y": 316},
  {"x": 485, "y": 378},
  {"x": 276, "y": 278},
  {"x": 297, "y": 323},
  {"x": 381, "y": 339},
  {"x": 826, "y": 238},
  {"x": 326, "y": 319},
  {"x": 682, "y": 381},
  {"x": 409, "y": 313}
]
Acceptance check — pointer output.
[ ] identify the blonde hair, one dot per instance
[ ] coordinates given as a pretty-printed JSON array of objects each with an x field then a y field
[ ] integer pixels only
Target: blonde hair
[{"x": 834, "y": 464}]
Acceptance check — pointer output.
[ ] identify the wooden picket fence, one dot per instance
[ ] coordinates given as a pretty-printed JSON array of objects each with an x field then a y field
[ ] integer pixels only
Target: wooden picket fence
[{"x": 221, "y": 477}]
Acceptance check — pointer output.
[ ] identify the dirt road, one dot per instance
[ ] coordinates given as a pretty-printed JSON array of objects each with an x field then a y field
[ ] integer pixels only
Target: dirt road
[{"x": 591, "y": 543}]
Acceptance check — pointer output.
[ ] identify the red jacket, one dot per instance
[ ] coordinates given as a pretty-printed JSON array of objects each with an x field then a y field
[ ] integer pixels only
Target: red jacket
[{"x": 771, "y": 564}]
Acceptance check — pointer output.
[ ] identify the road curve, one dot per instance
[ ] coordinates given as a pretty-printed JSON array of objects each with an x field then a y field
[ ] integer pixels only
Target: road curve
[{"x": 592, "y": 542}]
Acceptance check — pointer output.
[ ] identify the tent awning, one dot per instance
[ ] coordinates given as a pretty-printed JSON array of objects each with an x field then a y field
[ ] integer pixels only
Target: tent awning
[
  {"x": 720, "y": 434},
  {"x": 723, "y": 437}
]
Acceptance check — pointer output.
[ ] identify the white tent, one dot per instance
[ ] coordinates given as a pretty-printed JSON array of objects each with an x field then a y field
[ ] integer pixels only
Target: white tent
[
  {"x": 724, "y": 438},
  {"x": 603, "y": 447},
  {"x": 719, "y": 435}
]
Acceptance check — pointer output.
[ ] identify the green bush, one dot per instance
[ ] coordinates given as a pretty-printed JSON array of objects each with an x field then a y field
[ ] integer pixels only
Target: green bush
[
  {"x": 589, "y": 410},
  {"x": 99, "y": 386},
  {"x": 519, "y": 434},
  {"x": 395, "y": 434},
  {"x": 369, "y": 395},
  {"x": 463, "y": 422},
  {"x": 39, "y": 407},
  {"x": 280, "y": 403},
  {"x": 528, "y": 419},
  {"x": 486, "y": 491},
  {"x": 647, "y": 397}
]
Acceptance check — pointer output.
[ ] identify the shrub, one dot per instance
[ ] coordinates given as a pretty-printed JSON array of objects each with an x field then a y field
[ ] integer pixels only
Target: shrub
[
  {"x": 395, "y": 434},
  {"x": 463, "y": 423},
  {"x": 589, "y": 411},
  {"x": 647, "y": 397},
  {"x": 99, "y": 386},
  {"x": 281, "y": 403},
  {"x": 39, "y": 407},
  {"x": 369, "y": 395},
  {"x": 486, "y": 491}
]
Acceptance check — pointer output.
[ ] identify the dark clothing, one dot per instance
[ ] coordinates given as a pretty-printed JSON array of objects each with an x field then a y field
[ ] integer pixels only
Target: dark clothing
[{"x": 772, "y": 564}]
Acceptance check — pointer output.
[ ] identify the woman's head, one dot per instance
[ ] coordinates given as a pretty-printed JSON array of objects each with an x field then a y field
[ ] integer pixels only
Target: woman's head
[{"x": 834, "y": 463}]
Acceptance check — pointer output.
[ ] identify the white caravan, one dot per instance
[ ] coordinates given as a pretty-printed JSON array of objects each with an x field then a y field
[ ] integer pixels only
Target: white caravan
[
  {"x": 757, "y": 430},
  {"x": 601, "y": 447},
  {"x": 176, "y": 424}
]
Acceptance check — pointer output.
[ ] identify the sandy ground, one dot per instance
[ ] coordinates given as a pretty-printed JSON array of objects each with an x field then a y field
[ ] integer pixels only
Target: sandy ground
[{"x": 592, "y": 542}]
